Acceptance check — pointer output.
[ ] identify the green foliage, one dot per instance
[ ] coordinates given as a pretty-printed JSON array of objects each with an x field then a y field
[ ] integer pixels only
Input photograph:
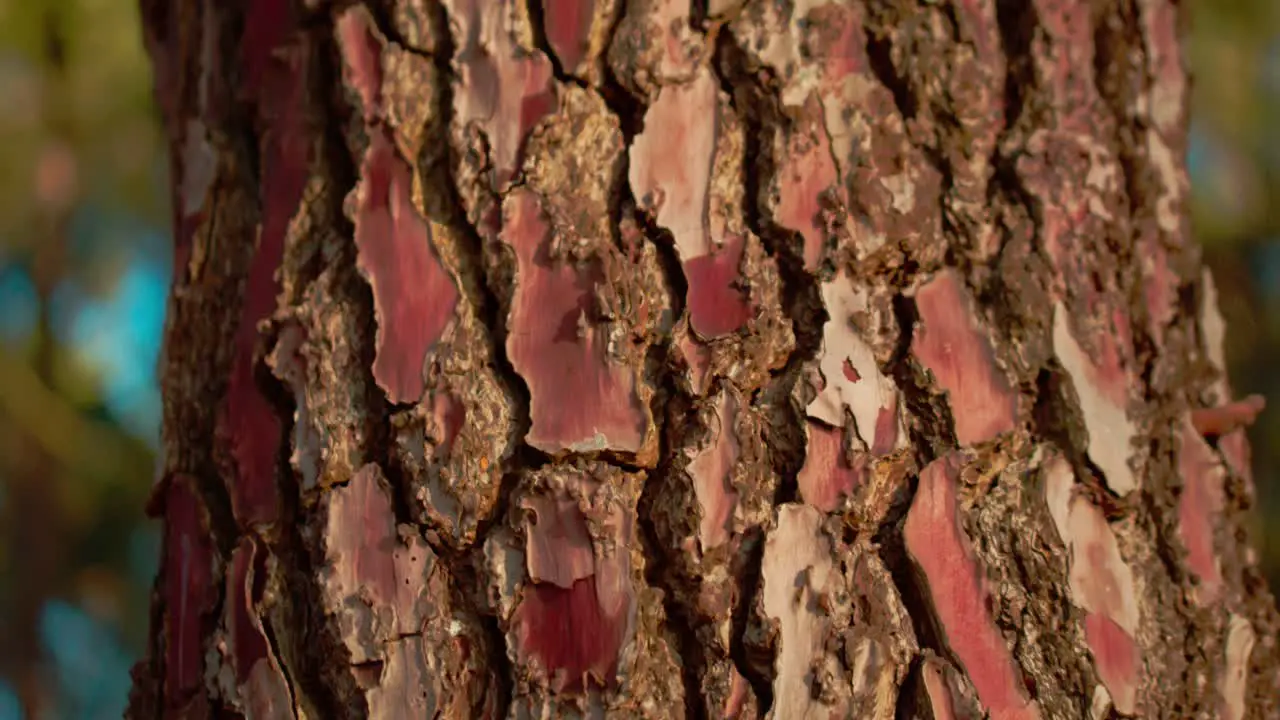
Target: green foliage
[{"x": 97, "y": 101}]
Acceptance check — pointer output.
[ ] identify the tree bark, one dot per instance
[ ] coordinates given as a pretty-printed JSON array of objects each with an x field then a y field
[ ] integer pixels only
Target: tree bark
[{"x": 662, "y": 359}]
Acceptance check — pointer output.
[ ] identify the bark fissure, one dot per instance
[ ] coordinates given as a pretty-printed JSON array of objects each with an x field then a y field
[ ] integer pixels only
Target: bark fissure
[
  {"x": 681, "y": 631},
  {"x": 749, "y": 590},
  {"x": 312, "y": 683},
  {"x": 380, "y": 12},
  {"x": 932, "y": 435},
  {"x": 801, "y": 302},
  {"x": 523, "y": 456},
  {"x": 879, "y": 53},
  {"x": 755, "y": 102}
]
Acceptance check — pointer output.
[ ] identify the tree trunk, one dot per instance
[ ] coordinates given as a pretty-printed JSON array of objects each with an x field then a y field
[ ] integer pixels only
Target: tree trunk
[{"x": 709, "y": 360}]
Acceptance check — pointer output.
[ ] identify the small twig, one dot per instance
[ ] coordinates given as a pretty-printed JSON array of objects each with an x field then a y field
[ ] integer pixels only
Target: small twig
[{"x": 1218, "y": 421}]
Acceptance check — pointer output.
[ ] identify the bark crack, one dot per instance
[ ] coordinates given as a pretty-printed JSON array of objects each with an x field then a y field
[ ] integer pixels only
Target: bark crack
[{"x": 757, "y": 106}]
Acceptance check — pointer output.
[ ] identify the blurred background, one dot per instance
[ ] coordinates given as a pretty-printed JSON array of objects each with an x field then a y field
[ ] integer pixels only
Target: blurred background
[{"x": 85, "y": 264}]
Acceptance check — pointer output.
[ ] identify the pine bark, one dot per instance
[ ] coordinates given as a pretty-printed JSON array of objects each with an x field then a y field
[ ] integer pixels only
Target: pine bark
[{"x": 645, "y": 358}]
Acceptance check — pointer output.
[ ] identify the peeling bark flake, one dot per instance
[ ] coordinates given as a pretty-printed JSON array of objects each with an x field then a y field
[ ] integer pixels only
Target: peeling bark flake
[
  {"x": 374, "y": 580},
  {"x": 576, "y": 614},
  {"x": 936, "y": 690},
  {"x": 1225, "y": 419},
  {"x": 951, "y": 345},
  {"x": 958, "y": 593},
  {"x": 581, "y": 399},
  {"x": 795, "y": 570},
  {"x": 1111, "y": 432},
  {"x": 414, "y": 296},
  {"x": 502, "y": 89},
  {"x": 1234, "y": 444},
  {"x": 670, "y": 175},
  {"x": 1101, "y": 583},
  {"x": 1199, "y": 508},
  {"x": 262, "y": 688},
  {"x": 827, "y": 475},
  {"x": 671, "y": 162},
  {"x": 712, "y": 473},
  {"x": 851, "y": 375},
  {"x": 1232, "y": 685},
  {"x": 807, "y": 172}
]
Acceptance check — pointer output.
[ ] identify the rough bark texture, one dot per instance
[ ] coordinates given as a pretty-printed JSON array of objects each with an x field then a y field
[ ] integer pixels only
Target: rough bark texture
[{"x": 648, "y": 358}]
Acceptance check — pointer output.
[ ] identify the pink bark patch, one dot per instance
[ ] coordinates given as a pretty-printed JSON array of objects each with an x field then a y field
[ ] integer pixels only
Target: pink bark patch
[
  {"x": 807, "y": 171},
  {"x": 1218, "y": 421},
  {"x": 957, "y": 590},
  {"x": 266, "y": 26},
  {"x": 568, "y": 27},
  {"x": 362, "y": 59},
  {"x": 504, "y": 89},
  {"x": 717, "y": 306},
  {"x": 1101, "y": 583},
  {"x": 1100, "y": 388},
  {"x": 886, "y": 428},
  {"x": 671, "y": 162},
  {"x": 1116, "y": 657},
  {"x": 570, "y": 633},
  {"x": 362, "y": 535},
  {"x": 559, "y": 550},
  {"x": 839, "y": 41},
  {"x": 712, "y": 471},
  {"x": 671, "y": 165},
  {"x": 850, "y": 372},
  {"x": 580, "y": 399},
  {"x": 1108, "y": 371},
  {"x": 1099, "y": 575},
  {"x": 449, "y": 415},
  {"x": 827, "y": 474},
  {"x": 951, "y": 345},
  {"x": 414, "y": 297},
  {"x": 1198, "y": 508},
  {"x": 188, "y": 587},
  {"x": 248, "y": 419},
  {"x": 375, "y": 575}
]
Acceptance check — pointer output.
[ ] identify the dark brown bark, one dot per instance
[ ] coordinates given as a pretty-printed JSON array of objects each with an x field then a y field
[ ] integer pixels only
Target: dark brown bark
[{"x": 656, "y": 359}]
